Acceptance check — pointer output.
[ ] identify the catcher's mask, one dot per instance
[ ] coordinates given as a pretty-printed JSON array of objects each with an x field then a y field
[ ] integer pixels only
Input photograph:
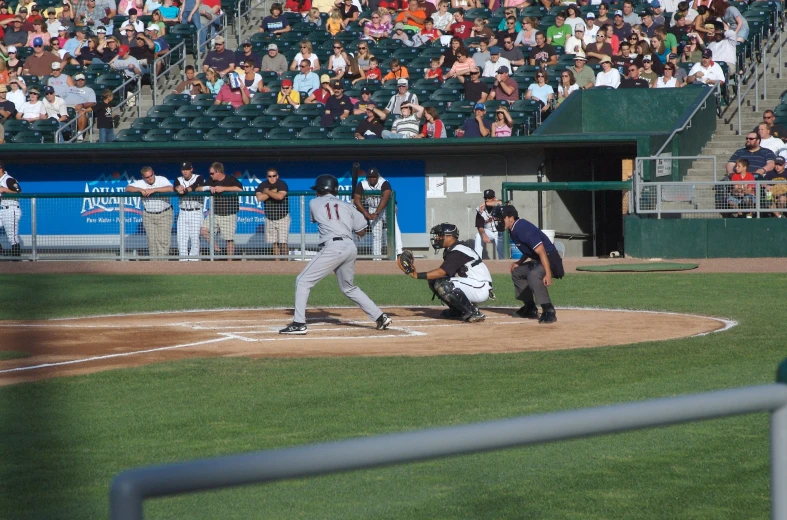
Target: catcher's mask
[
  {"x": 439, "y": 232},
  {"x": 497, "y": 214},
  {"x": 326, "y": 184}
]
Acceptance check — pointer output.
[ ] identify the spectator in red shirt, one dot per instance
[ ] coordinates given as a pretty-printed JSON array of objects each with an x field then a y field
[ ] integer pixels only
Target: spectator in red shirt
[
  {"x": 233, "y": 92},
  {"x": 298, "y": 6},
  {"x": 742, "y": 195},
  {"x": 322, "y": 94},
  {"x": 435, "y": 72},
  {"x": 460, "y": 28}
]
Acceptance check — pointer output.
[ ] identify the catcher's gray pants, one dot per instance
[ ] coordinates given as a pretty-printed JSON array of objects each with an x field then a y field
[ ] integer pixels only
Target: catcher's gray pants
[
  {"x": 529, "y": 281},
  {"x": 158, "y": 228},
  {"x": 337, "y": 256}
]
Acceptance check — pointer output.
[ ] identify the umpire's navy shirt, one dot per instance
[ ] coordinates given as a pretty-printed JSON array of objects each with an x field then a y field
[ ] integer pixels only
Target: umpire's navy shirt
[{"x": 527, "y": 237}]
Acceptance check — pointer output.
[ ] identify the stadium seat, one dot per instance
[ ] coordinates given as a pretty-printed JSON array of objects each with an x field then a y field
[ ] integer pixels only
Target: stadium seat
[
  {"x": 462, "y": 107},
  {"x": 266, "y": 122},
  {"x": 47, "y": 127},
  {"x": 281, "y": 134},
  {"x": 189, "y": 134},
  {"x": 446, "y": 94},
  {"x": 27, "y": 137},
  {"x": 13, "y": 126},
  {"x": 265, "y": 98},
  {"x": 235, "y": 122},
  {"x": 162, "y": 111},
  {"x": 189, "y": 111},
  {"x": 342, "y": 132},
  {"x": 252, "y": 134},
  {"x": 220, "y": 134},
  {"x": 296, "y": 121},
  {"x": 206, "y": 122},
  {"x": 251, "y": 110},
  {"x": 203, "y": 103},
  {"x": 129, "y": 135},
  {"x": 313, "y": 132},
  {"x": 222, "y": 110},
  {"x": 175, "y": 123},
  {"x": 177, "y": 100},
  {"x": 312, "y": 109},
  {"x": 158, "y": 135},
  {"x": 279, "y": 110}
]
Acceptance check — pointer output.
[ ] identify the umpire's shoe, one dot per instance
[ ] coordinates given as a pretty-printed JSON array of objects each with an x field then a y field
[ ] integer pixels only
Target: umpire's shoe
[
  {"x": 528, "y": 311},
  {"x": 383, "y": 321},
  {"x": 548, "y": 314},
  {"x": 294, "y": 328}
]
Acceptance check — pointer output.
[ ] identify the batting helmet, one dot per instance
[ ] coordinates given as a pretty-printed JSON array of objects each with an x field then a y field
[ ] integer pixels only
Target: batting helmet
[
  {"x": 440, "y": 231},
  {"x": 326, "y": 183}
]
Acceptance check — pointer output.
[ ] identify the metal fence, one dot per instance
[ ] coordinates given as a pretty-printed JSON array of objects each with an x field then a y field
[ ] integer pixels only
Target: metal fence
[
  {"x": 87, "y": 226},
  {"x": 726, "y": 199},
  {"x": 130, "y": 488}
]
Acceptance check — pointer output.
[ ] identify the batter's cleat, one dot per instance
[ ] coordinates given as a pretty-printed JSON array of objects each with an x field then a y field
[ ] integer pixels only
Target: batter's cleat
[
  {"x": 294, "y": 328},
  {"x": 450, "y": 314},
  {"x": 528, "y": 311},
  {"x": 548, "y": 316},
  {"x": 383, "y": 321},
  {"x": 475, "y": 316}
]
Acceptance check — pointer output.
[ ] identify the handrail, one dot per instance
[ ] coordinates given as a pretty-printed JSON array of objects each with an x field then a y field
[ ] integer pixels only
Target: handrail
[
  {"x": 123, "y": 102},
  {"x": 199, "y": 55},
  {"x": 245, "y": 15},
  {"x": 181, "y": 48},
  {"x": 130, "y": 488},
  {"x": 700, "y": 106}
]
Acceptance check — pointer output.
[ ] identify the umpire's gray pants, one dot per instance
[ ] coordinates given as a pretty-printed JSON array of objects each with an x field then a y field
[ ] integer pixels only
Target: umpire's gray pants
[
  {"x": 529, "y": 282},
  {"x": 337, "y": 257}
]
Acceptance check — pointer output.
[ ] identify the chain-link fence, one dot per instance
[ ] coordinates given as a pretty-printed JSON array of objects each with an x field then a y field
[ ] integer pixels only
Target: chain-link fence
[
  {"x": 727, "y": 199},
  {"x": 169, "y": 227}
]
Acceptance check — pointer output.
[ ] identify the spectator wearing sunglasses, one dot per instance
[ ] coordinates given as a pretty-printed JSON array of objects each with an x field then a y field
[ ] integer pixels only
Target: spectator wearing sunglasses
[
  {"x": 245, "y": 54},
  {"x": 306, "y": 80}
]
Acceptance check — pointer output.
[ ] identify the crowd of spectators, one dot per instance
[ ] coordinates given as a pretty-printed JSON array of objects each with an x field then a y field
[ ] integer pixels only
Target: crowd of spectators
[{"x": 526, "y": 57}]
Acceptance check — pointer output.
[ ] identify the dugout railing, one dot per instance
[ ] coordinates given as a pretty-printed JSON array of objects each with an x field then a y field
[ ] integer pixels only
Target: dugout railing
[
  {"x": 86, "y": 226},
  {"x": 130, "y": 488}
]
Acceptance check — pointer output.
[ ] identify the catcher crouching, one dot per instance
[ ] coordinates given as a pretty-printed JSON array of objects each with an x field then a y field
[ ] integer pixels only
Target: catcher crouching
[{"x": 460, "y": 282}]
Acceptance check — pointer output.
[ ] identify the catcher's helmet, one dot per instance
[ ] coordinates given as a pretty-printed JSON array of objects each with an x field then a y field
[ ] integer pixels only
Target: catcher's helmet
[
  {"x": 440, "y": 231},
  {"x": 326, "y": 183}
]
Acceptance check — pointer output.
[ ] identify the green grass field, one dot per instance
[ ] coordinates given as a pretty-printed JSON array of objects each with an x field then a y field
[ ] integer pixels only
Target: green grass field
[{"x": 63, "y": 440}]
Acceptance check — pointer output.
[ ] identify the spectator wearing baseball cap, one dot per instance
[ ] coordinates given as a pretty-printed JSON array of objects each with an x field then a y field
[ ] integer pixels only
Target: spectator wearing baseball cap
[
  {"x": 126, "y": 63},
  {"x": 494, "y": 62},
  {"x": 706, "y": 71},
  {"x": 505, "y": 88},
  {"x": 233, "y": 92},
  {"x": 16, "y": 92},
  {"x": 306, "y": 80},
  {"x": 620, "y": 28},
  {"x": 55, "y": 109},
  {"x": 273, "y": 60},
  {"x": 59, "y": 81},
  {"x": 32, "y": 110},
  {"x": 220, "y": 58},
  {"x": 246, "y": 54},
  {"x": 40, "y": 62},
  {"x": 403, "y": 95},
  {"x": 475, "y": 126},
  {"x": 371, "y": 127},
  {"x": 338, "y": 107},
  {"x": 82, "y": 99},
  {"x": 288, "y": 95},
  {"x": 365, "y": 100},
  {"x": 15, "y": 34}
]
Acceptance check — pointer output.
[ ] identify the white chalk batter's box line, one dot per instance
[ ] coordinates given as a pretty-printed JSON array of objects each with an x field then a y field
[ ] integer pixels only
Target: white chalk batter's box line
[{"x": 728, "y": 324}]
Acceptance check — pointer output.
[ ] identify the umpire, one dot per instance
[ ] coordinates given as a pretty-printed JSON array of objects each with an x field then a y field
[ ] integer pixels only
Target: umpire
[{"x": 533, "y": 273}]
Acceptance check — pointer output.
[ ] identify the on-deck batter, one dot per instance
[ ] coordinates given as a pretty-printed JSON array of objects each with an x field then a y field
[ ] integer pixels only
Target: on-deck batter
[
  {"x": 10, "y": 212},
  {"x": 337, "y": 222}
]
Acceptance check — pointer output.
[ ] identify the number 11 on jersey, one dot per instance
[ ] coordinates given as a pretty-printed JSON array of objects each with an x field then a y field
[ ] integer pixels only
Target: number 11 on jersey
[{"x": 335, "y": 209}]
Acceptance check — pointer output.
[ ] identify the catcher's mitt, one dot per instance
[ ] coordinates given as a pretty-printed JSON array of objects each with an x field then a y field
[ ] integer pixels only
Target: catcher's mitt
[{"x": 406, "y": 262}]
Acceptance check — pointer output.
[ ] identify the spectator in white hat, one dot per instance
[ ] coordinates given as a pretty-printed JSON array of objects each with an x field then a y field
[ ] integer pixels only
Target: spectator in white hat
[
  {"x": 402, "y": 96},
  {"x": 274, "y": 61},
  {"x": 591, "y": 28},
  {"x": 16, "y": 93},
  {"x": 576, "y": 43},
  {"x": 59, "y": 81}
]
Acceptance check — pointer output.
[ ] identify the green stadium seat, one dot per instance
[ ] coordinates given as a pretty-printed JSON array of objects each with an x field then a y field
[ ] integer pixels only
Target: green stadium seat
[
  {"x": 47, "y": 127},
  {"x": 446, "y": 94},
  {"x": 462, "y": 107},
  {"x": 129, "y": 135},
  {"x": 175, "y": 123},
  {"x": 252, "y": 134},
  {"x": 13, "y": 126},
  {"x": 98, "y": 68},
  {"x": 236, "y": 122},
  {"x": 313, "y": 132},
  {"x": 265, "y": 98},
  {"x": 251, "y": 110},
  {"x": 281, "y": 134},
  {"x": 159, "y": 135},
  {"x": 189, "y": 134},
  {"x": 266, "y": 122},
  {"x": 296, "y": 121},
  {"x": 220, "y": 134},
  {"x": 204, "y": 103},
  {"x": 312, "y": 109},
  {"x": 189, "y": 111},
  {"x": 147, "y": 123},
  {"x": 342, "y": 132},
  {"x": 279, "y": 110},
  {"x": 177, "y": 100},
  {"x": 206, "y": 122},
  {"x": 27, "y": 137},
  {"x": 162, "y": 111},
  {"x": 222, "y": 110}
]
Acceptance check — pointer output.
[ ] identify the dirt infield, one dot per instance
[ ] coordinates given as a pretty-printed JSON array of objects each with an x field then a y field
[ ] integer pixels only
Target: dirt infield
[{"x": 70, "y": 347}]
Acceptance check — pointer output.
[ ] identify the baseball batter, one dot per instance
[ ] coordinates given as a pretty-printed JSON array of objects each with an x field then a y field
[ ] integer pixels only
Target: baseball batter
[
  {"x": 10, "y": 212},
  {"x": 337, "y": 222},
  {"x": 461, "y": 281},
  {"x": 373, "y": 208},
  {"x": 190, "y": 215},
  {"x": 487, "y": 228}
]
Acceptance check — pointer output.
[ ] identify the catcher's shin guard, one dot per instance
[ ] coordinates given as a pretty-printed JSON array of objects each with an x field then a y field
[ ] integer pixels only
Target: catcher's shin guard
[{"x": 453, "y": 297}]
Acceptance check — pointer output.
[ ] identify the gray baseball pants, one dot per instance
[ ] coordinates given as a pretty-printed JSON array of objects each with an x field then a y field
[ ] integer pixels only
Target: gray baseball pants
[
  {"x": 338, "y": 257},
  {"x": 529, "y": 282}
]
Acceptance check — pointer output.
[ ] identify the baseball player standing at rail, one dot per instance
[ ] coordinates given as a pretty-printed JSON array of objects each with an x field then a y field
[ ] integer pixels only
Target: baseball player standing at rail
[
  {"x": 190, "y": 216},
  {"x": 157, "y": 217},
  {"x": 460, "y": 282},
  {"x": 373, "y": 208},
  {"x": 337, "y": 222},
  {"x": 532, "y": 274},
  {"x": 10, "y": 212},
  {"x": 487, "y": 228}
]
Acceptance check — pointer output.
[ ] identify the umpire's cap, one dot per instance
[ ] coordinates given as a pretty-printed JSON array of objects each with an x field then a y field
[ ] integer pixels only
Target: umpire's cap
[
  {"x": 509, "y": 211},
  {"x": 326, "y": 183}
]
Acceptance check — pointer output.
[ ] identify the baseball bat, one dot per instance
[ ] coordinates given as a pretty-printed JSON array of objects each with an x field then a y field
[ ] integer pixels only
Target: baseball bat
[{"x": 355, "y": 172}]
